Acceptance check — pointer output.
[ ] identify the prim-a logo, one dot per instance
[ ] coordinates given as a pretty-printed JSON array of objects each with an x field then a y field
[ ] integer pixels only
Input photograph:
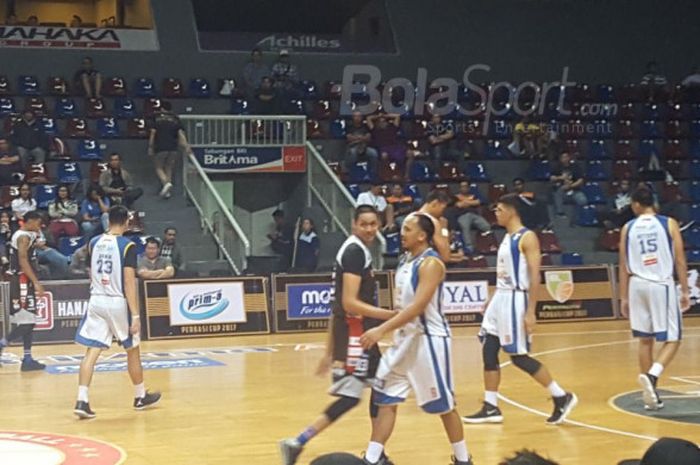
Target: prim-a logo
[{"x": 203, "y": 305}]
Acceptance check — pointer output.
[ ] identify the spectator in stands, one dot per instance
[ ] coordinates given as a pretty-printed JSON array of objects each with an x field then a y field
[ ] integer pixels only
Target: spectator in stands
[
  {"x": 165, "y": 138},
  {"x": 375, "y": 197},
  {"x": 254, "y": 72},
  {"x": 401, "y": 203},
  {"x": 63, "y": 211},
  {"x": 653, "y": 82},
  {"x": 79, "y": 263},
  {"x": 567, "y": 180},
  {"x": 693, "y": 79},
  {"x": 117, "y": 183},
  {"x": 32, "y": 21},
  {"x": 10, "y": 164},
  {"x": 527, "y": 136},
  {"x": 56, "y": 262},
  {"x": 385, "y": 135},
  {"x": 266, "y": 100},
  {"x": 94, "y": 212},
  {"x": 170, "y": 249},
  {"x": 619, "y": 209},
  {"x": 11, "y": 20},
  {"x": 30, "y": 140},
  {"x": 282, "y": 239},
  {"x": 151, "y": 265},
  {"x": 466, "y": 211},
  {"x": 7, "y": 229},
  {"x": 308, "y": 247},
  {"x": 24, "y": 203},
  {"x": 358, "y": 137},
  {"x": 534, "y": 215},
  {"x": 440, "y": 138},
  {"x": 89, "y": 79},
  {"x": 285, "y": 74},
  {"x": 76, "y": 21}
]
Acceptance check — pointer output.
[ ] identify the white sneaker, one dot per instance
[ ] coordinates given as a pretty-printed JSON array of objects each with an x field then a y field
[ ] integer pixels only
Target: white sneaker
[
  {"x": 165, "y": 191},
  {"x": 651, "y": 398}
]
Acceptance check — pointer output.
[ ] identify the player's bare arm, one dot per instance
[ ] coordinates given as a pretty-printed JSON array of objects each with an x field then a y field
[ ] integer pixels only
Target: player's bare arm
[
  {"x": 624, "y": 274},
  {"x": 441, "y": 239},
  {"x": 324, "y": 365},
  {"x": 25, "y": 266},
  {"x": 680, "y": 262},
  {"x": 533, "y": 257},
  {"x": 130, "y": 294},
  {"x": 351, "y": 300}
]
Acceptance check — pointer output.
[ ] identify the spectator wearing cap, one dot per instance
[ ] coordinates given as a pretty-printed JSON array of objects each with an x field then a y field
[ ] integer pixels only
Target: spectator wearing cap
[
  {"x": 358, "y": 137},
  {"x": 254, "y": 72},
  {"x": 375, "y": 198},
  {"x": 29, "y": 138},
  {"x": 10, "y": 164},
  {"x": 151, "y": 265},
  {"x": 88, "y": 79},
  {"x": 285, "y": 74},
  {"x": 308, "y": 247},
  {"x": 385, "y": 131}
]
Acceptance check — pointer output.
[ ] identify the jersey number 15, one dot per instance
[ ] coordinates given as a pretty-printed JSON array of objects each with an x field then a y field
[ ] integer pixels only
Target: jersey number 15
[{"x": 648, "y": 245}]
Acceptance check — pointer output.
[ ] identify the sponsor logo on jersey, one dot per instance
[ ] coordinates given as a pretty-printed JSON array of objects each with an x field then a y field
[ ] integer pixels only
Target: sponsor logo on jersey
[
  {"x": 204, "y": 305},
  {"x": 560, "y": 285}
]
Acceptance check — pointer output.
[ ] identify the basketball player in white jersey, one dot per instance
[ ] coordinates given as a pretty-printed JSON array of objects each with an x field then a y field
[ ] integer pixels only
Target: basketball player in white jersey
[
  {"x": 651, "y": 249},
  {"x": 420, "y": 357},
  {"x": 354, "y": 310},
  {"x": 434, "y": 208},
  {"x": 509, "y": 319},
  {"x": 113, "y": 311}
]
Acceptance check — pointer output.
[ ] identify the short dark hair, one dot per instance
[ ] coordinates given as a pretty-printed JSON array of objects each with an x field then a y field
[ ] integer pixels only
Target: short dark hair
[
  {"x": 256, "y": 50},
  {"x": 118, "y": 215},
  {"x": 643, "y": 196},
  {"x": 279, "y": 213},
  {"x": 512, "y": 200},
  {"x": 362, "y": 209},
  {"x": 518, "y": 180},
  {"x": 527, "y": 457},
  {"x": 33, "y": 215},
  {"x": 115, "y": 154},
  {"x": 438, "y": 195},
  {"x": 426, "y": 225},
  {"x": 153, "y": 240},
  {"x": 170, "y": 228}
]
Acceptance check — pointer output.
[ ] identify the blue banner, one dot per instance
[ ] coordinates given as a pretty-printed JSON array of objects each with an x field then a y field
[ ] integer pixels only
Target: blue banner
[
  {"x": 239, "y": 159},
  {"x": 306, "y": 301}
]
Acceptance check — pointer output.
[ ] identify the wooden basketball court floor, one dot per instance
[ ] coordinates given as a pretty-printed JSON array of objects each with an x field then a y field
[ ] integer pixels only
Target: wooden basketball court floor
[{"x": 265, "y": 390}]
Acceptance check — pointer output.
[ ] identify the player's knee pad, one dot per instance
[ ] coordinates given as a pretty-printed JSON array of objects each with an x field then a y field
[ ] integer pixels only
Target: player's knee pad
[
  {"x": 526, "y": 363},
  {"x": 340, "y": 407},
  {"x": 490, "y": 353}
]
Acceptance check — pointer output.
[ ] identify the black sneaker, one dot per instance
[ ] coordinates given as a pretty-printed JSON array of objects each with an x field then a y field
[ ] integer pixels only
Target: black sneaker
[
  {"x": 649, "y": 394},
  {"x": 383, "y": 460},
  {"x": 562, "y": 408},
  {"x": 83, "y": 410},
  {"x": 290, "y": 450},
  {"x": 32, "y": 365},
  {"x": 457, "y": 462},
  {"x": 151, "y": 398},
  {"x": 488, "y": 414}
]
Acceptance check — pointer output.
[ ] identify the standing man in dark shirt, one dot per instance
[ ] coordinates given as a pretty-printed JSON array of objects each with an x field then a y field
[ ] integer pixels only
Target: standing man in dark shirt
[
  {"x": 567, "y": 180},
  {"x": 170, "y": 249},
  {"x": 117, "y": 183},
  {"x": 89, "y": 79},
  {"x": 282, "y": 240},
  {"x": 354, "y": 311},
  {"x": 266, "y": 100},
  {"x": 163, "y": 143},
  {"x": 30, "y": 140}
]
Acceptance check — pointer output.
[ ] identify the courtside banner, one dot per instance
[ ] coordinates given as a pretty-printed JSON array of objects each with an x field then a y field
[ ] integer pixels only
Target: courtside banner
[
  {"x": 78, "y": 38},
  {"x": 206, "y": 307},
  {"x": 303, "y": 302},
  {"x": 573, "y": 294},
  {"x": 290, "y": 159},
  {"x": 60, "y": 310},
  {"x": 464, "y": 295}
]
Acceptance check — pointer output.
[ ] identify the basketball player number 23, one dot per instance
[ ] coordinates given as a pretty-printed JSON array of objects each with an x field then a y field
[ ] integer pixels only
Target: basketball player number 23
[
  {"x": 104, "y": 266},
  {"x": 648, "y": 245}
]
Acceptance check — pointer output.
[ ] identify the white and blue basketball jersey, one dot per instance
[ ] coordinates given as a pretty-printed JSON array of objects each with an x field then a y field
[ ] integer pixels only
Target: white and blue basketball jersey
[
  {"x": 108, "y": 258},
  {"x": 650, "y": 248},
  {"x": 432, "y": 322},
  {"x": 511, "y": 267}
]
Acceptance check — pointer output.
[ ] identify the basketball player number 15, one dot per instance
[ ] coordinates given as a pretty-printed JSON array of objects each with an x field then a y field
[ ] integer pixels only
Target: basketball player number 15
[{"x": 648, "y": 245}]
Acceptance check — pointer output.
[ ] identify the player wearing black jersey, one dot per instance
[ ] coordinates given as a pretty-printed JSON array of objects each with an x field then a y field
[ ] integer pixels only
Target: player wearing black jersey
[{"x": 354, "y": 311}]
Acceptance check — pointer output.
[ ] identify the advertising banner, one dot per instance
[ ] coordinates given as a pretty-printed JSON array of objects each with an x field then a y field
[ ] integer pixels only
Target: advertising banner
[
  {"x": 291, "y": 159},
  {"x": 303, "y": 302},
  {"x": 206, "y": 307},
  {"x": 60, "y": 310},
  {"x": 464, "y": 295},
  {"x": 78, "y": 38}
]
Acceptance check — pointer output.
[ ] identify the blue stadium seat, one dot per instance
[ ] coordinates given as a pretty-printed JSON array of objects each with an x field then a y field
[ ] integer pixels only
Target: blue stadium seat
[
  {"x": 124, "y": 108},
  {"x": 420, "y": 172},
  {"x": 145, "y": 87},
  {"x": 393, "y": 244},
  {"x": 694, "y": 211},
  {"x": 595, "y": 171},
  {"x": 44, "y": 194},
  {"x": 603, "y": 129},
  {"x": 50, "y": 126},
  {"x": 199, "y": 88},
  {"x": 692, "y": 238},
  {"x": 651, "y": 111},
  {"x": 597, "y": 150},
  {"x": 541, "y": 170},
  {"x": 89, "y": 149},
  {"x": 586, "y": 216},
  {"x": 695, "y": 169},
  {"x": 692, "y": 256},
  {"x": 458, "y": 241},
  {"x": 108, "y": 128},
  {"x": 474, "y": 190},
  {"x": 605, "y": 93},
  {"x": 65, "y": 107},
  {"x": 649, "y": 130},
  {"x": 476, "y": 172},
  {"x": 28, "y": 85},
  {"x": 571, "y": 259},
  {"x": 139, "y": 241},
  {"x": 338, "y": 129},
  {"x": 240, "y": 106},
  {"x": 354, "y": 190},
  {"x": 360, "y": 173},
  {"x": 695, "y": 191},
  {"x": 7, "y": 106},
  {"x": 296, "y": 107},
  {"x": 309, "y": 90},
  {"x": 68, "y": 245},
  {"x": 412, "y": 190},
  {"x": 647, "y": 148},
  {"x": 594, "y": 193},
  {"x": 496, "y": 150},
  {"x": 69, "y": 172},
  {"x": 695, "y": 129},
  {"x": 694, "y": 148}
]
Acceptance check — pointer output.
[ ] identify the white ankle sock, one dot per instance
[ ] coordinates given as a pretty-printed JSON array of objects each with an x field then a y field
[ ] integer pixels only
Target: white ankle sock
[
  {"x": 374, "y": 452},
  {"x": 139, "y": 390},
  {"x": 460, "y": 451},
  {"x": 656, "y": 369},
  {"x": 556, "y": 390},
  {"x": 491, "y": 397},
  {"x": 83, "y": 393}
]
